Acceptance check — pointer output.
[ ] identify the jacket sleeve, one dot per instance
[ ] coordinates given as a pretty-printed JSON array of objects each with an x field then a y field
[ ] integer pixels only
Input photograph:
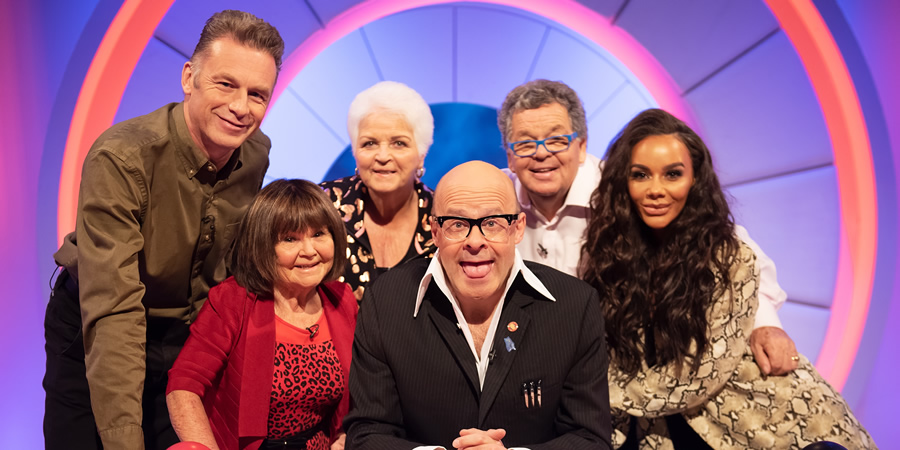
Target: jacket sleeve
[
  {"x": 375, "y": 420},
  {"x": 213, "y": 336},
  {"x": 108, "y": 229},
  {"x": 659, "y": 391},
  {"x": 583, "y": 416}
]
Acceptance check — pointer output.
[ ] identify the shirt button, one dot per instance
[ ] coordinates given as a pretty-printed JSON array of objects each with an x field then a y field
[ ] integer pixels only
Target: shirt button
[
  {"x": 210, "y": 168},
  {"x": 207, "y": 238}
]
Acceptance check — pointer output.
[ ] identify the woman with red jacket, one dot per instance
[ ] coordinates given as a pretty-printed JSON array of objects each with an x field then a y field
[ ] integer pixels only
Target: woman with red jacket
[{"x": 268, "y": 359}]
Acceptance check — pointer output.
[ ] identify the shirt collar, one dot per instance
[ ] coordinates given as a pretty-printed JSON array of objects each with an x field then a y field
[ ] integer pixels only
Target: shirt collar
[
  {"x": 194, "y": 159},
  {"x": 435, "y": 273}
]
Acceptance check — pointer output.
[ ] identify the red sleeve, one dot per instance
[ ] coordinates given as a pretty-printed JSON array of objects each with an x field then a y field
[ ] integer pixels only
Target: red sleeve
[{"x": 212, "y": 339}]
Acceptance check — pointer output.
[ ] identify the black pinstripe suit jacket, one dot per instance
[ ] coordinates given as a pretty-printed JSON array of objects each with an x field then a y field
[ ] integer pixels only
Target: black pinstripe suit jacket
[{"x": 413, "y": 380}]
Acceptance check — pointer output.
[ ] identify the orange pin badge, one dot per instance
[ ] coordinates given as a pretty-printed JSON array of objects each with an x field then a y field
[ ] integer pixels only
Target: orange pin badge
[{"x": 512, "y": 326}]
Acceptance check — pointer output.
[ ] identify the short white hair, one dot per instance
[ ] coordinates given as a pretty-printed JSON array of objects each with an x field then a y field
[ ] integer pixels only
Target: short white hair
[{"x": 391, "y": 96}]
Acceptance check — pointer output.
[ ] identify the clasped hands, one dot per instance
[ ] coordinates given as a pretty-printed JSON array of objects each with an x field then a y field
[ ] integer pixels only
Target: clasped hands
[{"x": 475, "y": 439}]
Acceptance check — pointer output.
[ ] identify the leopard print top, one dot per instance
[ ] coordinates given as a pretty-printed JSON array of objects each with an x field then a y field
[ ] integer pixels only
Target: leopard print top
[
  {"x": 727, "y": 401},
  {"x": 349, "y": 195},
  {"x": 307, "y": 383}
]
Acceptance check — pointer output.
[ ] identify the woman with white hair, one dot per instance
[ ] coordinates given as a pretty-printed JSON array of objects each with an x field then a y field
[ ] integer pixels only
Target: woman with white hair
[{"x": 384, "y": 205}]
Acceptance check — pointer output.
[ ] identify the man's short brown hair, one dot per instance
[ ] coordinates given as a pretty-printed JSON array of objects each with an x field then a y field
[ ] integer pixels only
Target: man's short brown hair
[
  {"x": 283, "y": 207},
  {"x": 244, "y": 28}
]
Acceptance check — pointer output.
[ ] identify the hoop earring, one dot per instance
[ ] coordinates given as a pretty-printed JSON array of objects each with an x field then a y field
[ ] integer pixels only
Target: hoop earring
[{"x": 419, "y": 172}]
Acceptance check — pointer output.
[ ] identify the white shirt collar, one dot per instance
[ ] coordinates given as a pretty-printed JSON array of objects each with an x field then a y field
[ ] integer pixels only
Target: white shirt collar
[
  {"x": 482, "y": 356},
  {"x": 435, "y": 273}
]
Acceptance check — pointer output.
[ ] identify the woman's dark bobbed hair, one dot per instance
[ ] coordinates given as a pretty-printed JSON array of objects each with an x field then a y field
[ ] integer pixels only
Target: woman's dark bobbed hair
[{"x": 282, "y": 207}]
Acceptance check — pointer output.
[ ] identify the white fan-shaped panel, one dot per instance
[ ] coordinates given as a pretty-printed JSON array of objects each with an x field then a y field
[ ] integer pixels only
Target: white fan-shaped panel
[
  {"x": 495, "y": 51},
  {"x": 760, "y": 116},
  {"x": 603, "y": 125},
  {"x": 146, "y": 85},
  {"x": 795, "y": 220},
  {"x": 584, "y": 69},
  {"x": 416, "y": 48},
  {"x": 302, "y": 146},
  {"x": 693, "y": 39},
  {"x": 331, "y": 80}
]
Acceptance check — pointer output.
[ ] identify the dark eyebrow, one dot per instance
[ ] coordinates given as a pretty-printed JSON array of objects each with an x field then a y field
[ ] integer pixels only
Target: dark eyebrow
[
  {"x": 639, "y": 166},
  {"x": 674, "y": 165}
]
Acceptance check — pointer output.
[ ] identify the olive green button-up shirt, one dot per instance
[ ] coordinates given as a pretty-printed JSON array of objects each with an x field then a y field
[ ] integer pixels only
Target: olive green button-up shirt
[{"x": 155, "y": 221}]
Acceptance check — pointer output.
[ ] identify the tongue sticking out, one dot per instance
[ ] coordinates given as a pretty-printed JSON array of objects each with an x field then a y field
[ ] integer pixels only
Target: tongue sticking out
[{"x": 476, "y": 270}]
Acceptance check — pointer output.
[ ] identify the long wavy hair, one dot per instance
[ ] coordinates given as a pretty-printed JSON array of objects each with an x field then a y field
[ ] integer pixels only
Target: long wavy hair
[{"x": 656, "y": 289}]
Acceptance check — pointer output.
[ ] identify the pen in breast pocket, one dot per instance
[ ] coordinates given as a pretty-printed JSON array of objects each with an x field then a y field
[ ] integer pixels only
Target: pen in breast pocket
[{"x": 539, "y": 393}]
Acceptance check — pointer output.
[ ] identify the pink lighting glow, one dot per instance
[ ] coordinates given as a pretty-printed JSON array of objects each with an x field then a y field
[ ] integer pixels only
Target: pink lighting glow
[
  {"x": 834, "y": 87},
  {"x": 573, "y": 15},
  {"x": 101, "y": 93},
  {"x": 135, "y": 22}
]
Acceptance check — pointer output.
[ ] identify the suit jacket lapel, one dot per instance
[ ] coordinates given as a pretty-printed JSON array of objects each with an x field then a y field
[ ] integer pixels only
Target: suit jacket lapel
[
  {"x": 514, "y": 310},
  {"x": 440, "y": 311}
]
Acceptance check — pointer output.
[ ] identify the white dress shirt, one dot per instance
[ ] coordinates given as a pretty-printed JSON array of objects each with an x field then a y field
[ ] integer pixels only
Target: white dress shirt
[
  {"x": 557, "y": 242},
  {"x": 435, "y": 274}
]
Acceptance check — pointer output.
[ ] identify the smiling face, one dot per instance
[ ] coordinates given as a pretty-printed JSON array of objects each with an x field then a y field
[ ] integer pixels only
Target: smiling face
[
  {"x": 547, "y": 176},
  {"x": 303, "y": 260},
  {"x": 476, "y": 269},
  {"x": 226, "y": 93},
  {"x": 660, "y": 179},
  {"x": 386, "y": 153}
]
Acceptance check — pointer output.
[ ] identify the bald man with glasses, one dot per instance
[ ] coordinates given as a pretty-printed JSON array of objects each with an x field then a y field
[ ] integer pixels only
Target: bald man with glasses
[{"x": 476, "y": 347}]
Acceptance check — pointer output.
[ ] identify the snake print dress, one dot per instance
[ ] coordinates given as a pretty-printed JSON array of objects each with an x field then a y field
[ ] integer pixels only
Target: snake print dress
[{"x": 728, "y": 401}]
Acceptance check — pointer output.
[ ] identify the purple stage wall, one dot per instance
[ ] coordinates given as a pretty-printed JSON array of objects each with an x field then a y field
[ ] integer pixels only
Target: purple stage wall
[{"x": 45, "y": 51}]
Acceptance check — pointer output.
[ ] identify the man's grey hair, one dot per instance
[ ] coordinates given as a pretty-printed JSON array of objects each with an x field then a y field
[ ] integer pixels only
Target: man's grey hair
[{"x": 535, "y": 94}]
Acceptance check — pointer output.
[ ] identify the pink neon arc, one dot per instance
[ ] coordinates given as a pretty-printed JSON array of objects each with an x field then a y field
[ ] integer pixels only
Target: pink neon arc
[
  {"x": 573, "y": 15},
  {"x": 831, "y": 80},
  {"x": 134, "y": 24},
  {"x": 101, "y": 93}
]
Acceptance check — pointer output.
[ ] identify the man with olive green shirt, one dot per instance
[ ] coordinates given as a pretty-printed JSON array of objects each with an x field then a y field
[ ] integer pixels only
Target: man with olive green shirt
[{"x": 159, "y": 199}]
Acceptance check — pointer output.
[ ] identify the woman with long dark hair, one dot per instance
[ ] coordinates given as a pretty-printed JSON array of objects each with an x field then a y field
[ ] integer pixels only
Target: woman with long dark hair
[{"x": 680, "y": 293}]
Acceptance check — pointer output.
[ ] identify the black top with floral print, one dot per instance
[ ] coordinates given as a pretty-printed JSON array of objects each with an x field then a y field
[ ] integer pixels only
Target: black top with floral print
[{"x": 349, "y": 195}]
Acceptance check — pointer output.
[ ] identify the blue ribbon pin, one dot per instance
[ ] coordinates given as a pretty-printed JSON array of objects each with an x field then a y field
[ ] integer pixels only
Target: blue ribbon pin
[{"x": 510, "y": 345}]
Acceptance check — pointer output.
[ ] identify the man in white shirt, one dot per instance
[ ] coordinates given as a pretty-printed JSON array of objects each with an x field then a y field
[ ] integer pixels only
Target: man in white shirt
[
  {"x": 475, "y": 347},
  {"x": 544, "y": 121}
]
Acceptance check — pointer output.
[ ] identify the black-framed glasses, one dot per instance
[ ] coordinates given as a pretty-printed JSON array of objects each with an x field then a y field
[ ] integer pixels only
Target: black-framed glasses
[
  {"x": 493, "y": 227},
  {"x": 553, "y": 144}
]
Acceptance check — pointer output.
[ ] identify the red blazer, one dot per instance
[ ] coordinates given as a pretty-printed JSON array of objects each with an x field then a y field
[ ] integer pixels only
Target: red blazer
[{"x": 229, "y": 359}]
